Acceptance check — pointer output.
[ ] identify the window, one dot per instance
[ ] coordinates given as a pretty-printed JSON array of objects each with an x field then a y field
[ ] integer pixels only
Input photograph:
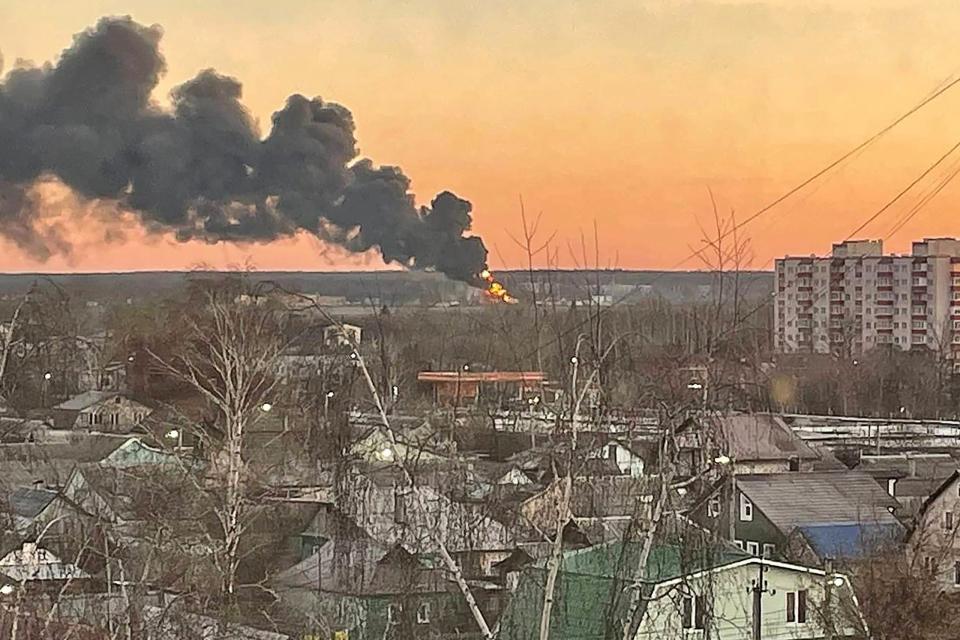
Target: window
[
  {"x": 612, "y": 451},
  {"x": 739, "y": 544},
  {"x": 693, "y": 611},
  {"x": 753, "y": 548},
  {"x": 746, "y": 509},
  {"x": 928, "y": 564},
  {"x": 956, "y": 574},
  {"x": 399, "y": 506},
  {"x": 713, "y": 506},
  {"x": 797, "y": 606},
  {"x": 948, "y": 520},
  {"x": 768, "y": 550},
  {"x": 423, "y": 613},
  {"x": 393, "y": 613}
]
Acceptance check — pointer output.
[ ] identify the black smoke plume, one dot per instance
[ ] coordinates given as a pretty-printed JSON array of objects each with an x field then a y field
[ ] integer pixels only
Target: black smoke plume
[{"x": 202, "y": 169}]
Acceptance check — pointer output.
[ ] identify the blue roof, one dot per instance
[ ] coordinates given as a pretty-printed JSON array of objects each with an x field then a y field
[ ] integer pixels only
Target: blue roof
[{"x": 849, "y": 540}]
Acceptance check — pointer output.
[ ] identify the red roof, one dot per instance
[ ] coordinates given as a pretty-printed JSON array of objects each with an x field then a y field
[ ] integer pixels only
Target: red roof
[{"x": 481, "y": 376}]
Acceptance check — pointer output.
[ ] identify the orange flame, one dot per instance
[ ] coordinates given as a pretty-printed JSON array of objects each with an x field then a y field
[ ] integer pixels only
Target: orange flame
[{"x": 496, "y": 291}]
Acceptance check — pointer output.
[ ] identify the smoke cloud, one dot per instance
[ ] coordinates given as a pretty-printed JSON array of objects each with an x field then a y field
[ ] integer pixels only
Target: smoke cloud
[{"x": 201, "y": 169}]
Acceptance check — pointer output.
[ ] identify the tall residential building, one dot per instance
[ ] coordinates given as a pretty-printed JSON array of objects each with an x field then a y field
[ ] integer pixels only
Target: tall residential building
[{"x": 859, "y": 298}]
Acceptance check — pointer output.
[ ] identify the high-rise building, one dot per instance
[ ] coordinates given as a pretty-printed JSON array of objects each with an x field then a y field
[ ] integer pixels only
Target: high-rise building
[{"x": 859, "y": 298}]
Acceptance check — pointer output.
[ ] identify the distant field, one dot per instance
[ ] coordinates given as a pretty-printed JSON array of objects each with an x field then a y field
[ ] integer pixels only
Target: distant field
[{"x": 407, "y": 287}]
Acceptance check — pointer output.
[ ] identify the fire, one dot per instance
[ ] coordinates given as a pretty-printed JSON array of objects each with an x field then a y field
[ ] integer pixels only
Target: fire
[{"x": 496, "y": 291}]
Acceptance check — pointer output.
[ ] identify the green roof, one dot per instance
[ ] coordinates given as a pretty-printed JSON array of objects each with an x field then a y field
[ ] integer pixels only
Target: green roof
[{"x": 593, "y": 587}]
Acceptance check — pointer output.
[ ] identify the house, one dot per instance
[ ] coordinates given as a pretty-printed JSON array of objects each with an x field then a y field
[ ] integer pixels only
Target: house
[
  {"x": 753, "y": 443},
  {"x": 698, "y": 592},
  {"x": 109, "y": 411},
  {"x": 909, "y": 477},
  {"x": 37, "y": 569},
  {"x": 464, "y": 386},
  {"x": 935, "y": 540},
  {"x": 364, "y": 589},
  {"x": 342, "y": 335},
  {"x": 384, "y": 505},
  {"x": 814, "y": 517},
  {"x": 601, "y": 507},
  {"x": 626, "y": 456}
]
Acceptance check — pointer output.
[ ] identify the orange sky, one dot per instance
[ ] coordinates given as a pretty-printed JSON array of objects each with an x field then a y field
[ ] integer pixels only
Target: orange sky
[{"x": 623, "y": 113}]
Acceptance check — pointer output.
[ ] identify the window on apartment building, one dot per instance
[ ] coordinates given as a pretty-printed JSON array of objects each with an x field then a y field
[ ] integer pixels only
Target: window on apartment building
[
  {"x": 746, "y": 509},
  {"x": 769, "y": 550},
  {"x": 948, "y": 520},
  {"x": 739, "y": 544},
  {"x": 753, "y": 548},
  {"x": 694, "y": 612},
  {"x": 423, "y": 613},
  {"x": 797, "y": 606},
  {"x": 928, "y": 564},
  {"x": 713, "y": 506}
]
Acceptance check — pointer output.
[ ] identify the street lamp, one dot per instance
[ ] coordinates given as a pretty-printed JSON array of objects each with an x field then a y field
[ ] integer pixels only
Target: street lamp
[
  {"x": 175, "y": 434},
  {"x": 326, "y": 403}
]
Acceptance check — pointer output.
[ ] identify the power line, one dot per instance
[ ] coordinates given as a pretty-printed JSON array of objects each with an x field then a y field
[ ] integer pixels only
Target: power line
[
  {"x": 910, "y": 186},
  {"x": 737, "y": 226}
]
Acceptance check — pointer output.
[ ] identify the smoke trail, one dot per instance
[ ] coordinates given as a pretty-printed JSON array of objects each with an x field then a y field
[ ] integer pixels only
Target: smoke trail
[{"x": 202, "y": 170}]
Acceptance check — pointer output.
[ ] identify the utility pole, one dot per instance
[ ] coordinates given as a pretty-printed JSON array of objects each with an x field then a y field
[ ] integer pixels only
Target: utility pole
[{"x": 758, "y": 588}]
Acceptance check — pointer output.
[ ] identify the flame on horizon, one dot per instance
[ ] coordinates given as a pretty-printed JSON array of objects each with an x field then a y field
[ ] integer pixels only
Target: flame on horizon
[{"x": 495, "y": 290}]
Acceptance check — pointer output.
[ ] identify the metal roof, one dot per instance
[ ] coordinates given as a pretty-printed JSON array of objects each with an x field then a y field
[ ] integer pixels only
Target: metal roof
[
  {"x": 792, "y": 500},
  {"x": 529, "y": 377},
  {"x": 761, "y": 436},
  {"x": 85, "y": 400},
  {"x": 849, "y": 541},
  {"x": 28, "y": 502}
]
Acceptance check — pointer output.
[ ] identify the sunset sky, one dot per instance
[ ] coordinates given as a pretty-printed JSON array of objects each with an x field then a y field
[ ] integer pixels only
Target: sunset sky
[{"x": 619, "y": 113}]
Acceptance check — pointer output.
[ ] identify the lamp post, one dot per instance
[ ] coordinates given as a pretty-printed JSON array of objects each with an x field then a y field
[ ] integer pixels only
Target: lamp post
[
  {"x": 759, "y": 587},
  {"x": 326, "y": 403}
]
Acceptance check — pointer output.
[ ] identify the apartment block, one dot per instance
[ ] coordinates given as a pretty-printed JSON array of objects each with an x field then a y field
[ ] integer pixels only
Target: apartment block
[{"x": 860, "y": 298}]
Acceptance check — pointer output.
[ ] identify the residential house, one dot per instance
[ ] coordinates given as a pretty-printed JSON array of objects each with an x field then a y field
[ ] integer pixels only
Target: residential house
[
  {"x": 812, "y": 517},
  {"x": 109, "y": 411},
  {"x": 624, "y": 454},
  {"x": 602, "y": 507},
  {"x": 389, "y": 509},
  {"x": 696, "y": 593},
  {"x": 909, "y": 477},
  {"x": 37, "y": 569},
  {"x": 751, "y": 443},
  {"x": 364, "y": 589},
  {"x": 934, "y": 542}
]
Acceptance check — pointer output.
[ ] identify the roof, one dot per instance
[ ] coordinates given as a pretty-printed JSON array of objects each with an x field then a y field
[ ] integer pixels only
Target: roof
[
  {"x": 170, "y": 623},
  {"x": 849, "y": 540},
  {"x": 903, "y": 465},
  {"x": 29, "y": 503},
  {"x": 792, "y": 500},
  {"x": 86, "y": 400},
  {"x": 529, "y": 377},
  {"x": 761, "y": 436},
  {"x": 587, "y": 579},
  {"x": 939, "y": 490},
  {"x": 916, "y": 487}
]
